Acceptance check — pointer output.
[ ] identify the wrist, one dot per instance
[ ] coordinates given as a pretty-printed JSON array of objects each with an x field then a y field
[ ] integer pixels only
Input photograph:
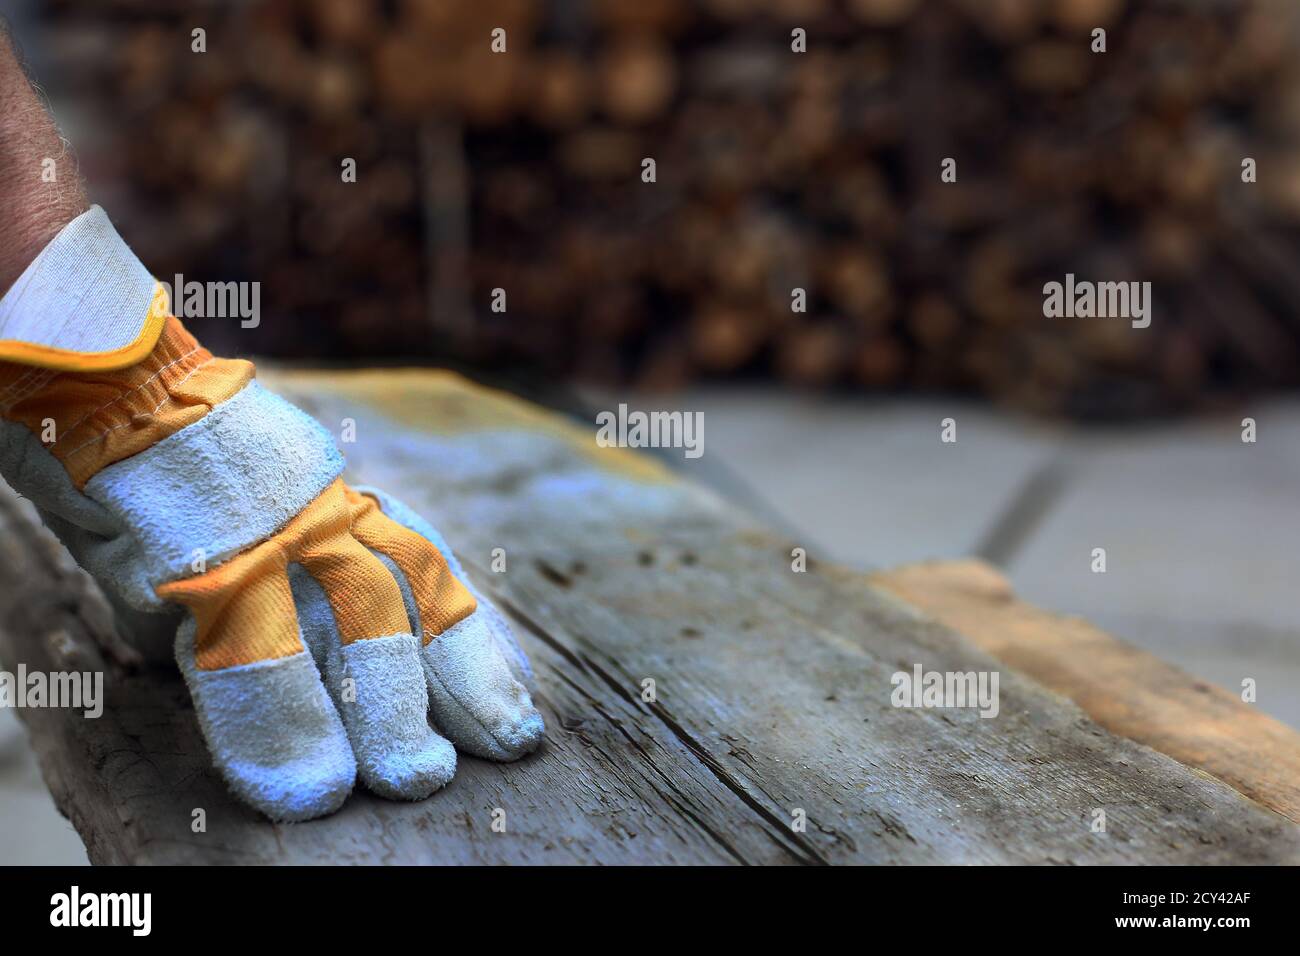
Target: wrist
[{"x": 40, "y": 188}]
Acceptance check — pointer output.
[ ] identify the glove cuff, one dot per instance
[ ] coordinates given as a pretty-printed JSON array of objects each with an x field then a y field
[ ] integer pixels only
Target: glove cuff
[{"x": 85, "y": 304}]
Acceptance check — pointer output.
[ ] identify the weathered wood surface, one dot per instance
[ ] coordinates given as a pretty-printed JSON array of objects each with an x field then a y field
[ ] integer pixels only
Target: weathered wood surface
[
  {"x": 1126, "y": 690},
  {"x": 772, "y": 689}
]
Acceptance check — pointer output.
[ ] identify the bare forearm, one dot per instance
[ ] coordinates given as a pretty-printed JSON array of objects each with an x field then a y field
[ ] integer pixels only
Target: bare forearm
[{"x": 40, "y": 189}]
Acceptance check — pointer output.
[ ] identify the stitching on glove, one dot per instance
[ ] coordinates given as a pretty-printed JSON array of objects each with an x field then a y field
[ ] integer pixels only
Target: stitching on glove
[
  {"x": 129, "y": 424},
  {"x": 38, "y": 378},
  {"x": 71, "y": 428},
  {"x": 18, "y": 382}
]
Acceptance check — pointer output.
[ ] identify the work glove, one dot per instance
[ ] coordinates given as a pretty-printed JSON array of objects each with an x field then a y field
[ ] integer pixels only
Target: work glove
[{"x": 323, "y": 624}]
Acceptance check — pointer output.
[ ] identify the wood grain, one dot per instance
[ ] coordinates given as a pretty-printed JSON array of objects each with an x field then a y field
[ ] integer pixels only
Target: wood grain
[{"x": 772, "y": 689}]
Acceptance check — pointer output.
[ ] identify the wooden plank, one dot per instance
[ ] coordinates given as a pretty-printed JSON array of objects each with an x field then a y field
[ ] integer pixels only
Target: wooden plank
[
  {"x": 772, "y": 689},
  {"x": 1126, "y": 690}
]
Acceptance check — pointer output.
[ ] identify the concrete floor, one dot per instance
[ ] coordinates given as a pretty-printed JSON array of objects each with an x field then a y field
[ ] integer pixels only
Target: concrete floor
[{"x": 1201, "y": 530}]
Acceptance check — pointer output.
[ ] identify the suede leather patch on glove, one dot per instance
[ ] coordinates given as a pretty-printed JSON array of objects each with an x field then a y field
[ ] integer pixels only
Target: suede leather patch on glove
[{"x": 325, "y": 625}]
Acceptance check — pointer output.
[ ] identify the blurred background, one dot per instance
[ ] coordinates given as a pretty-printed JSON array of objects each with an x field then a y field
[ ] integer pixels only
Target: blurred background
[{"x": 775, "y": 171}]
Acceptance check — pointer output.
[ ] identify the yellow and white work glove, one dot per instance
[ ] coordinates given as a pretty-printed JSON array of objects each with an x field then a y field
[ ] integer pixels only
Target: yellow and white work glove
[{"x": 325, "y": 624}]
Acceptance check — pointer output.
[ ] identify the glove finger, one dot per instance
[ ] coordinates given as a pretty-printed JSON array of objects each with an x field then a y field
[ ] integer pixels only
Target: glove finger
[
  {"x": 501, "y": 630},
  {"x": 474, "y": 697},
  {"x": 268, "y": 722},
  {"x": 503, "y": 635},
  {"x": 354, "y": 620}
]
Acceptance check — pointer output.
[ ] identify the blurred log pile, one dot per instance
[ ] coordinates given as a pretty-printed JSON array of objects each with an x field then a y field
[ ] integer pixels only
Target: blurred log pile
[{"x": 775, "y": 171}]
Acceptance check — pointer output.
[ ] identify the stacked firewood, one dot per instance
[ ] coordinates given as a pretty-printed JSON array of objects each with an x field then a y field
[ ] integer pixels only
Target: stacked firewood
[{"x": 798, "y": 224}]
